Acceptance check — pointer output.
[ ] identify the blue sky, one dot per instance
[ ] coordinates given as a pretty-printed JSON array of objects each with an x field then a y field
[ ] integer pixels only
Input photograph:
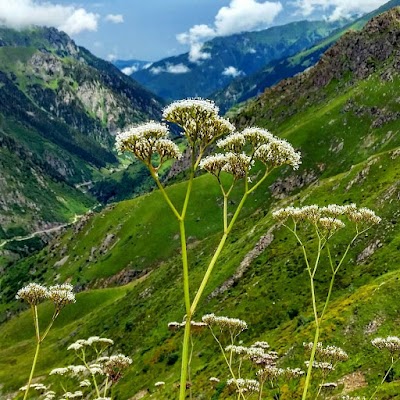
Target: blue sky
[{"x": 154, "y": 29}]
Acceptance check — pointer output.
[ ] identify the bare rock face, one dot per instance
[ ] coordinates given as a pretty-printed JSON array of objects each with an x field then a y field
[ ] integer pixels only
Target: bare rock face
[
  {"x": 283, "y": 187},
  {"x": 261, "y": 245},
  {"x": 369, "y": 250}
]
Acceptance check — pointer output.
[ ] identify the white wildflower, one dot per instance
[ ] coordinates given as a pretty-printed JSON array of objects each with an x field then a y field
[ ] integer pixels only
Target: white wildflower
[
  {"x": 61, "y": 295},
  {"x": 32, "y": 293}
]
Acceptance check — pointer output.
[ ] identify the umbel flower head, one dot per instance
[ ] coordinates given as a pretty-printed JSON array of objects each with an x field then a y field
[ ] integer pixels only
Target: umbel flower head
[
  {"x": 146, "y": 140},
  {"x": 232, "y": 325},
  {"x": 243, "y": 149},
  {"x": 61, "y": 295},
  {"x": 33, "y": 293},
  {"x": 327, "y": 218},
  {"x": 115, "y": 365},
  {"x": 390, "y": 343}
]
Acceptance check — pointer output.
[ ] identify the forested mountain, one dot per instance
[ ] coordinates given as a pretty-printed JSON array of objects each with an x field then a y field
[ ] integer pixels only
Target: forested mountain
[
  {"x": 231, "y": 56},
  {"x": 59, "y": 109}
]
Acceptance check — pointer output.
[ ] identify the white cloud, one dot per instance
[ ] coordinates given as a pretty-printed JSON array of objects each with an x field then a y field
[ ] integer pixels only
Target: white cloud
[
  {"x": 157, "y": 70},
  {"x": 337, "y": 9},
  {"x": 171, "y": 69},
  {"x": 129, "y": 70},
  {"x": 232, "y": 71},
  {"x": 111, "y": 57},
  {"x": 115, "y": 18},
  {"x": 148, "y": 65},
  {"x": 177, "y": 69},
  {"x": 23, "y": 13},
  {"x": 245, "y": 15},
  {"x": 239, "y": 16}
]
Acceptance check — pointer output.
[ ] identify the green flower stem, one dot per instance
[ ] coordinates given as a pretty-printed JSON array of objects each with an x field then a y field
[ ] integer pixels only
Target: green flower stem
[
  {"x": 216, "y": 255},
  {"x": 164, "y": 193},
  {"x": 105, "y": 387},
  {"x": 186, "y": 290},
  {"x": 83, "y": 358},
  {"x": 384, "y": 378},
  {"x": 260, "y": 393},
  {"x": 228, "y": 362},
  {"x": 36, "y": 323},
  {"x": 222, "y": 243},
  {"x": 311, "y": 361}
]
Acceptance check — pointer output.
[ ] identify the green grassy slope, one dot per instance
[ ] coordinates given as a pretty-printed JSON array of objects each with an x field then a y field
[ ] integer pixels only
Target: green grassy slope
[
  {"x": 59, "y": 108},
  {"x": 347, "y": 132}
]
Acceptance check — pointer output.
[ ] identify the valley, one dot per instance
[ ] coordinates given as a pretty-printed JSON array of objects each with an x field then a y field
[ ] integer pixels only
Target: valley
[{"x": 124, "y": 258}]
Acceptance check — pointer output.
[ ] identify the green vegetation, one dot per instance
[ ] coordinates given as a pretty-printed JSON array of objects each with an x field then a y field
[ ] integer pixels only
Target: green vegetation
[{"x": 346, "y": 128}]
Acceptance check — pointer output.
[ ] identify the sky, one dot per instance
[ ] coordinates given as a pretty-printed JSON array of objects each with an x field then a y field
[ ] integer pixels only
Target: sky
[{"x": 150, "y": 30}]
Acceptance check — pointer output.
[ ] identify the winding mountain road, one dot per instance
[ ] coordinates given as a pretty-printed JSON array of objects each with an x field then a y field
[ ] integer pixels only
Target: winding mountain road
[{"x": 49, "y": 230}]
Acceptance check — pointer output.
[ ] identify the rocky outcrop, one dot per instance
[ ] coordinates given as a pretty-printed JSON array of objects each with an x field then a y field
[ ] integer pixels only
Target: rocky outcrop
[{"x": 261, "y": 245}]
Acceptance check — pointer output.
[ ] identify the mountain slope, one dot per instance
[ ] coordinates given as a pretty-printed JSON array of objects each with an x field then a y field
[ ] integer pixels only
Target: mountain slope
[
  {"x": 243, "y": 88},
  {"x": 59, "y": 107},
  {"x": 242, "y": 54},
  {"x": 347, "y": 131}
]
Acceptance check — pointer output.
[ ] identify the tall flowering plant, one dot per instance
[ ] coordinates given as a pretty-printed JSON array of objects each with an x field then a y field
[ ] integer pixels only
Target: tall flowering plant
[
  {"x": 33, "y": 294},
  {"x": 324, "y": 223},
  {"x": 239, "y": 151}
]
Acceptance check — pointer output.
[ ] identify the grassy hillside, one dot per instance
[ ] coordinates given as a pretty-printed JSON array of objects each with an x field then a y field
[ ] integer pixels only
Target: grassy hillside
[
  {"x": 60, "y": 107},
  {"x": 346, "y": 127}
]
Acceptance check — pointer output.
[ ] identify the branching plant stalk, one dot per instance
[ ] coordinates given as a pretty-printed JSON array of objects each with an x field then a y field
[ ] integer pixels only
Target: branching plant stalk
[
  {"x": 384, "y": 378},
  {"x": 319, "y": 318},
  {"x": 38, "y": 342},
  {"x": 228, "y": 362}
]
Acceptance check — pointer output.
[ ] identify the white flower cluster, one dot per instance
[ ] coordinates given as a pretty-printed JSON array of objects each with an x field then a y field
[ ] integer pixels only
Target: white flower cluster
[
  {"x": 159, "y": 384},
  {"x": 114, "y": 366},
  {"x": 93, "y": 340},
  {"x": 255, "y": 354},
  {"x": 347, "y": 397},
  {"x": 260, "y": 144},
  {"x": 327, "y": 217},
  {"x": 232, "y": 325},
  {"x": 199, "y": 120},
  {"x": 390, "y": 343},
  {"x": 324, "y": 366},
  {"x": 85, "y": 383},
  {"x": 37, "y": 386},
  {"x": 269, "y": 373},
  {"x": 245, "y": 385},
  {"x": 328, "y": 353},
  {"x": 70, "y": 395},
  {"x": 173, "y": 326},
  {"x": 71, "y": 369},
  {"x": 146, "y": 140},
  {"x": 49, "y": 395},
  {"x": 278, "y": 152},
  {"x": 329, "y": 385},
  {"x": 261, "y": 345},
  {"x": 213, "y": 379},
  {"x": 33, "y": 293},
  {"x": 60, "y": 295}
]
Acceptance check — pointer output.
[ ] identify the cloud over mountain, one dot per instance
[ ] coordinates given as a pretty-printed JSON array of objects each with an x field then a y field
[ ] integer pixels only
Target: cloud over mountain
[
  {"x": 68, "y": 18},
  {"x": 337, "y": 9},
  {"x": 239, "y": 16}
]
